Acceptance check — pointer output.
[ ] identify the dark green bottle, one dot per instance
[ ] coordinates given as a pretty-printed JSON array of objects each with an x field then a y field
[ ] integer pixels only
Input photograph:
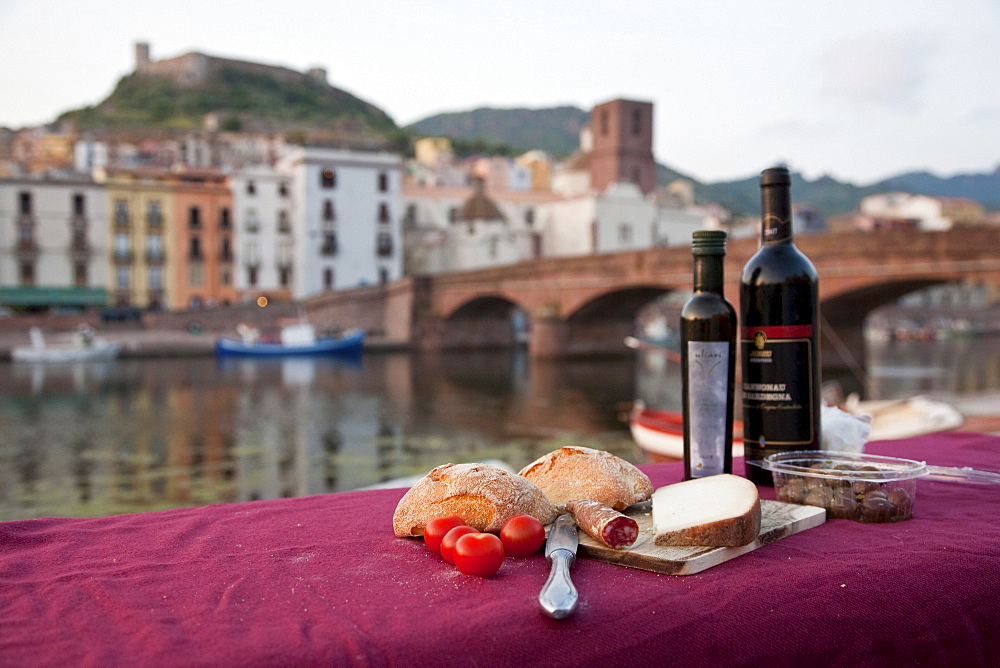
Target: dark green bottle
[
  {"x": 708, "y": 362},
  {"x": 779, "y": 327}
]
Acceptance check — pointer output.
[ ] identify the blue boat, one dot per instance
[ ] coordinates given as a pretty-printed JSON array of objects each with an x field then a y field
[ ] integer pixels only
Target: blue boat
[{"x": 296, "y": 339}]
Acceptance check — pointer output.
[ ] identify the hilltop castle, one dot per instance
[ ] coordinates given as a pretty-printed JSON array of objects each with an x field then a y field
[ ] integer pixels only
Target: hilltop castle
[{"x": 192, "y": 69}]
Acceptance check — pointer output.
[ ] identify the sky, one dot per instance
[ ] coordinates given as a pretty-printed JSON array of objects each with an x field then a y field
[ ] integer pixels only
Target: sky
[{"x": 855, "y": 89}]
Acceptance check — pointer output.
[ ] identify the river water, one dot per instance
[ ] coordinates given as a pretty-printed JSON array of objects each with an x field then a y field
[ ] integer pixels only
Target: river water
[{"x": 148, "y": 434}]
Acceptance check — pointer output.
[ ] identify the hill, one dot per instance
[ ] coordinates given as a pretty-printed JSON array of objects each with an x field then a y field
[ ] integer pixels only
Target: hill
[
  {"x": 555, "y": 130},
  {"x": 242, "y": 99}
]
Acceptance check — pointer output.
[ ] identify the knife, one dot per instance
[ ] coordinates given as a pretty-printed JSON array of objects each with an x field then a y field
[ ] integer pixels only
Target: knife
[{"x": 558, "y": 596}]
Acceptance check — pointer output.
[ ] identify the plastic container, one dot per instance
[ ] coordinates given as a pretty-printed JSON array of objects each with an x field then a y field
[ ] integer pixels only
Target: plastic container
[{"x": 854, "y": 486}]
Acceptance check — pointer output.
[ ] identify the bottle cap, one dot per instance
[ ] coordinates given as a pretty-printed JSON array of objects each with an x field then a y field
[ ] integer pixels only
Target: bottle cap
[
  {"x": 708, "y": 242},
  {"x": 775, "y": 176}
]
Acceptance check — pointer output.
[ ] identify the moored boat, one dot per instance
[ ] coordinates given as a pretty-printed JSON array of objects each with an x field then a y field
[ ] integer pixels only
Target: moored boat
[
  {"x": 84, "y": 347},
  {"x": 660, "y": 433},
  {"x": 298, "y": 338}
]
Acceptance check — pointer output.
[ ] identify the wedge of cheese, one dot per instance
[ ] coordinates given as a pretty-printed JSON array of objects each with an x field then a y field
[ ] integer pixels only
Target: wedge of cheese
[{"x": 716, "y": 511}]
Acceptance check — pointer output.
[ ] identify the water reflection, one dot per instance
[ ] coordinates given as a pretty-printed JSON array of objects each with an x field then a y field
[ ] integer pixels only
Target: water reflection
[{"x": 136, "y": 435}]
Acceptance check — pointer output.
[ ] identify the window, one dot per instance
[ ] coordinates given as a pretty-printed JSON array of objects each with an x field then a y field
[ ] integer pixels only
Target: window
[
  {"x": 224, "y": 219},
  {"x": 79, "y": 239},
  {"x": 625, "y": 233},
  {"x": 226, "y": 251},
  {"x": 328, "y": 279},
  {"x": 283, "y": 189},
  {"x": 123, "y": 247},
  {"x": 122, "y": 277},
  {"x": 154, "y": 248},
  {"x": 383, "y": 213},
  {"x": 284, "y": 224},
  {"x": 328, "y": 213},
  {"x": 636, "y": 121},
  {"x": 383, "y": 182},
  {"x": 452, "y": 214},
  {"x": 196, "y": 274},
  {"x": 285, "y": 276},
  {"x": 251, "y": 188},
  {"x": 253, "y": 224},
  {"x": 154, "y": 215},
  {"x": 27, "y": 273},
  {"x": 604, "y": 122},
  {"x": 329, "y": 246},
  {"x": 225, "y": 275},
  {"x": 24, "y": 203},
  {"x": 79, "y": 205},
  {"x": 121, "y": 212},
  {"x": 80, "y": 274},
  {"x": 410, "y": 218},
  {"x": 328, "y": 178},
  {"x": 529, "y": 216},
  {"x": 194, "y": 249},
  {"x": 155, "y": 275},
  {"x": 383, "y": 244},
  {"x": 194, "y": 217},
  {"x": 252, "y": 275}
]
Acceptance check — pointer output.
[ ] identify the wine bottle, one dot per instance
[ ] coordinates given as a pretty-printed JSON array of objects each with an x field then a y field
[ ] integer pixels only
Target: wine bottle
[
  {"x": 779, "y": 332},
  {"x": 708, "y": 362}
]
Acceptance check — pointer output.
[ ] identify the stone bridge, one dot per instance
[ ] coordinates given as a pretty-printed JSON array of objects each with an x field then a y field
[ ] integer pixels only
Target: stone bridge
[{"x": 587, "y": 305}]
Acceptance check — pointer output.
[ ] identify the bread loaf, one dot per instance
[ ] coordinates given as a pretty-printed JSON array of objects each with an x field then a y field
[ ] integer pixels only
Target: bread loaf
[
  {"x": 716, "y": 511},
  {"x": 575, "y": 473},
  {"x": 484, "y": 496}
]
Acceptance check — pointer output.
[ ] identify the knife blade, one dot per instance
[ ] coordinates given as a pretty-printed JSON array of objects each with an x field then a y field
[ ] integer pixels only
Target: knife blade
[{"x": 559, "y": 597}]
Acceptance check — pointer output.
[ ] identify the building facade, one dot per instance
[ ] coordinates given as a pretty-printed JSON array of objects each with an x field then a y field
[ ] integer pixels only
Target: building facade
[
  {"x": 53, "y": 243},
  {"x": 346, "y": 218},
  {"x": 203, "y": 234},
  {"x": 262, "y": 205}
]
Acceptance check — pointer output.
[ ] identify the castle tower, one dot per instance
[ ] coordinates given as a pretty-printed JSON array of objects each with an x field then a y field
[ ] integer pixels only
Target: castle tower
[
  {"x": 141, "y": 56},
  {"x": 622, "y": 136}
]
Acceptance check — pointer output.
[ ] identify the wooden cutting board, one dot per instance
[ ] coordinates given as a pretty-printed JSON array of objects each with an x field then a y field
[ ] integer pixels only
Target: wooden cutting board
[{"x": 777, "y": 521}]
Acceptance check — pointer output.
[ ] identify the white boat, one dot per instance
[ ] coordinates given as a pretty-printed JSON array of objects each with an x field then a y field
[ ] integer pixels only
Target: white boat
[
  {"x": 660, "y": 434},
  {"x": 84, "y": 347}
]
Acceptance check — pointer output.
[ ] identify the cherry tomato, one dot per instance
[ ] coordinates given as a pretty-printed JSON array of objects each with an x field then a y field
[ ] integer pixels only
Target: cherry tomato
[
  {"x": 437, "y": 528},
  {"x": 522, "y": 535},
  {"x": 448, "y": 542},
  {"x": 478, "y": 554}
]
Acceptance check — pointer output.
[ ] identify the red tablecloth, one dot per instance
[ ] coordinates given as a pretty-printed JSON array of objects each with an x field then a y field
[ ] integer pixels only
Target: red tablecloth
[{"x": 322, "y": 580}]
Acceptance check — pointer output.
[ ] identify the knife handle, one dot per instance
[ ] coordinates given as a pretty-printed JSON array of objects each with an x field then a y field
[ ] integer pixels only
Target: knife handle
[{"x": 558, "y": 596}]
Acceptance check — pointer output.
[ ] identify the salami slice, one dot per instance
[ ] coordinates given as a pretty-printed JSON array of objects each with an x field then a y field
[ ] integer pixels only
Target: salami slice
[{"x": 604, "y": 523}]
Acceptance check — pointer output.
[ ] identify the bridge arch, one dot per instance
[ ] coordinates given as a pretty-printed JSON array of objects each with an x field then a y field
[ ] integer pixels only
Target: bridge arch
[{"x": 484, "y": 321}]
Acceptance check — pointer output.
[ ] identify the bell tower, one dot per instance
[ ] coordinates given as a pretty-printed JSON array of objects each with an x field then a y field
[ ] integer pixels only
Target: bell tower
[{"x": 622, "y": 136}]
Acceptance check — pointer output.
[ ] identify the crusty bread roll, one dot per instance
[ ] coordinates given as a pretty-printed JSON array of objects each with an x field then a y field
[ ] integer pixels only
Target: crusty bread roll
[
  {"x": 484, "y": 496},
  {"x": 575, "y": 472}
]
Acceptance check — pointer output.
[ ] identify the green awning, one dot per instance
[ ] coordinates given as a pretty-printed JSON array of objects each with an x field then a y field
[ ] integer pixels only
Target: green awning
[{"x": 52, "y": 296}]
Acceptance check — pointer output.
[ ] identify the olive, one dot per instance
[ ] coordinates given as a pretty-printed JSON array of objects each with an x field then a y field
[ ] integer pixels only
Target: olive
[
  {"x": 817, "y": 496},
  {"x": 903, "y": 502},
  {"x": 844, "y": 505},
  {"x": 876, "y": 507},
  {"x": 792, "y": 490}
]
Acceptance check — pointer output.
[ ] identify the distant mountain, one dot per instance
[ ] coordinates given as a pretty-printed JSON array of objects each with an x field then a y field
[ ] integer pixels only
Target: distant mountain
[
  {"x": 242, "y": 97},
  {"x": 984, "y": 188},
  {"x": 555, "y": 130}
]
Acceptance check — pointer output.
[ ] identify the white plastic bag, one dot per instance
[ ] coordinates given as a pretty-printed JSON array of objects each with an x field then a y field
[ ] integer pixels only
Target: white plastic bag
[{"x": 842, "y": 431}]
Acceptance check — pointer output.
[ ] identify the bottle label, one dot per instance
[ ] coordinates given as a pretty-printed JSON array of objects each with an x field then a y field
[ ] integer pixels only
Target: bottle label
[
  {"x": 778, "y": 386},
  {"x": 708, "y": 390}
]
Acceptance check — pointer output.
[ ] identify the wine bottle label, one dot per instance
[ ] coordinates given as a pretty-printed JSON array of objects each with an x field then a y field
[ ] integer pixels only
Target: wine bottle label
[
  {"x": 708, "y": 389},
  {"x": 778, "y": 386}
]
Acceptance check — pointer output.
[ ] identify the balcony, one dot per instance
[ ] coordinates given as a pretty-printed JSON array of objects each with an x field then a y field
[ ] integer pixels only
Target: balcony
[
  {"x": 155, "y": 257},
  {"x": 123, "y": 257},
  {"x": 330, "y": 246},
  {"x": 383, "y": 245},
  {"x": 154, "y": 220}
]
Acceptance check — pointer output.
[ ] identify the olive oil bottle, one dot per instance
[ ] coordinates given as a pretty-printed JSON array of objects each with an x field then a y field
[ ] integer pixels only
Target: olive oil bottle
[
  {"x": 708, "y": 362},
  {"x": 779, "y": 328}
]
